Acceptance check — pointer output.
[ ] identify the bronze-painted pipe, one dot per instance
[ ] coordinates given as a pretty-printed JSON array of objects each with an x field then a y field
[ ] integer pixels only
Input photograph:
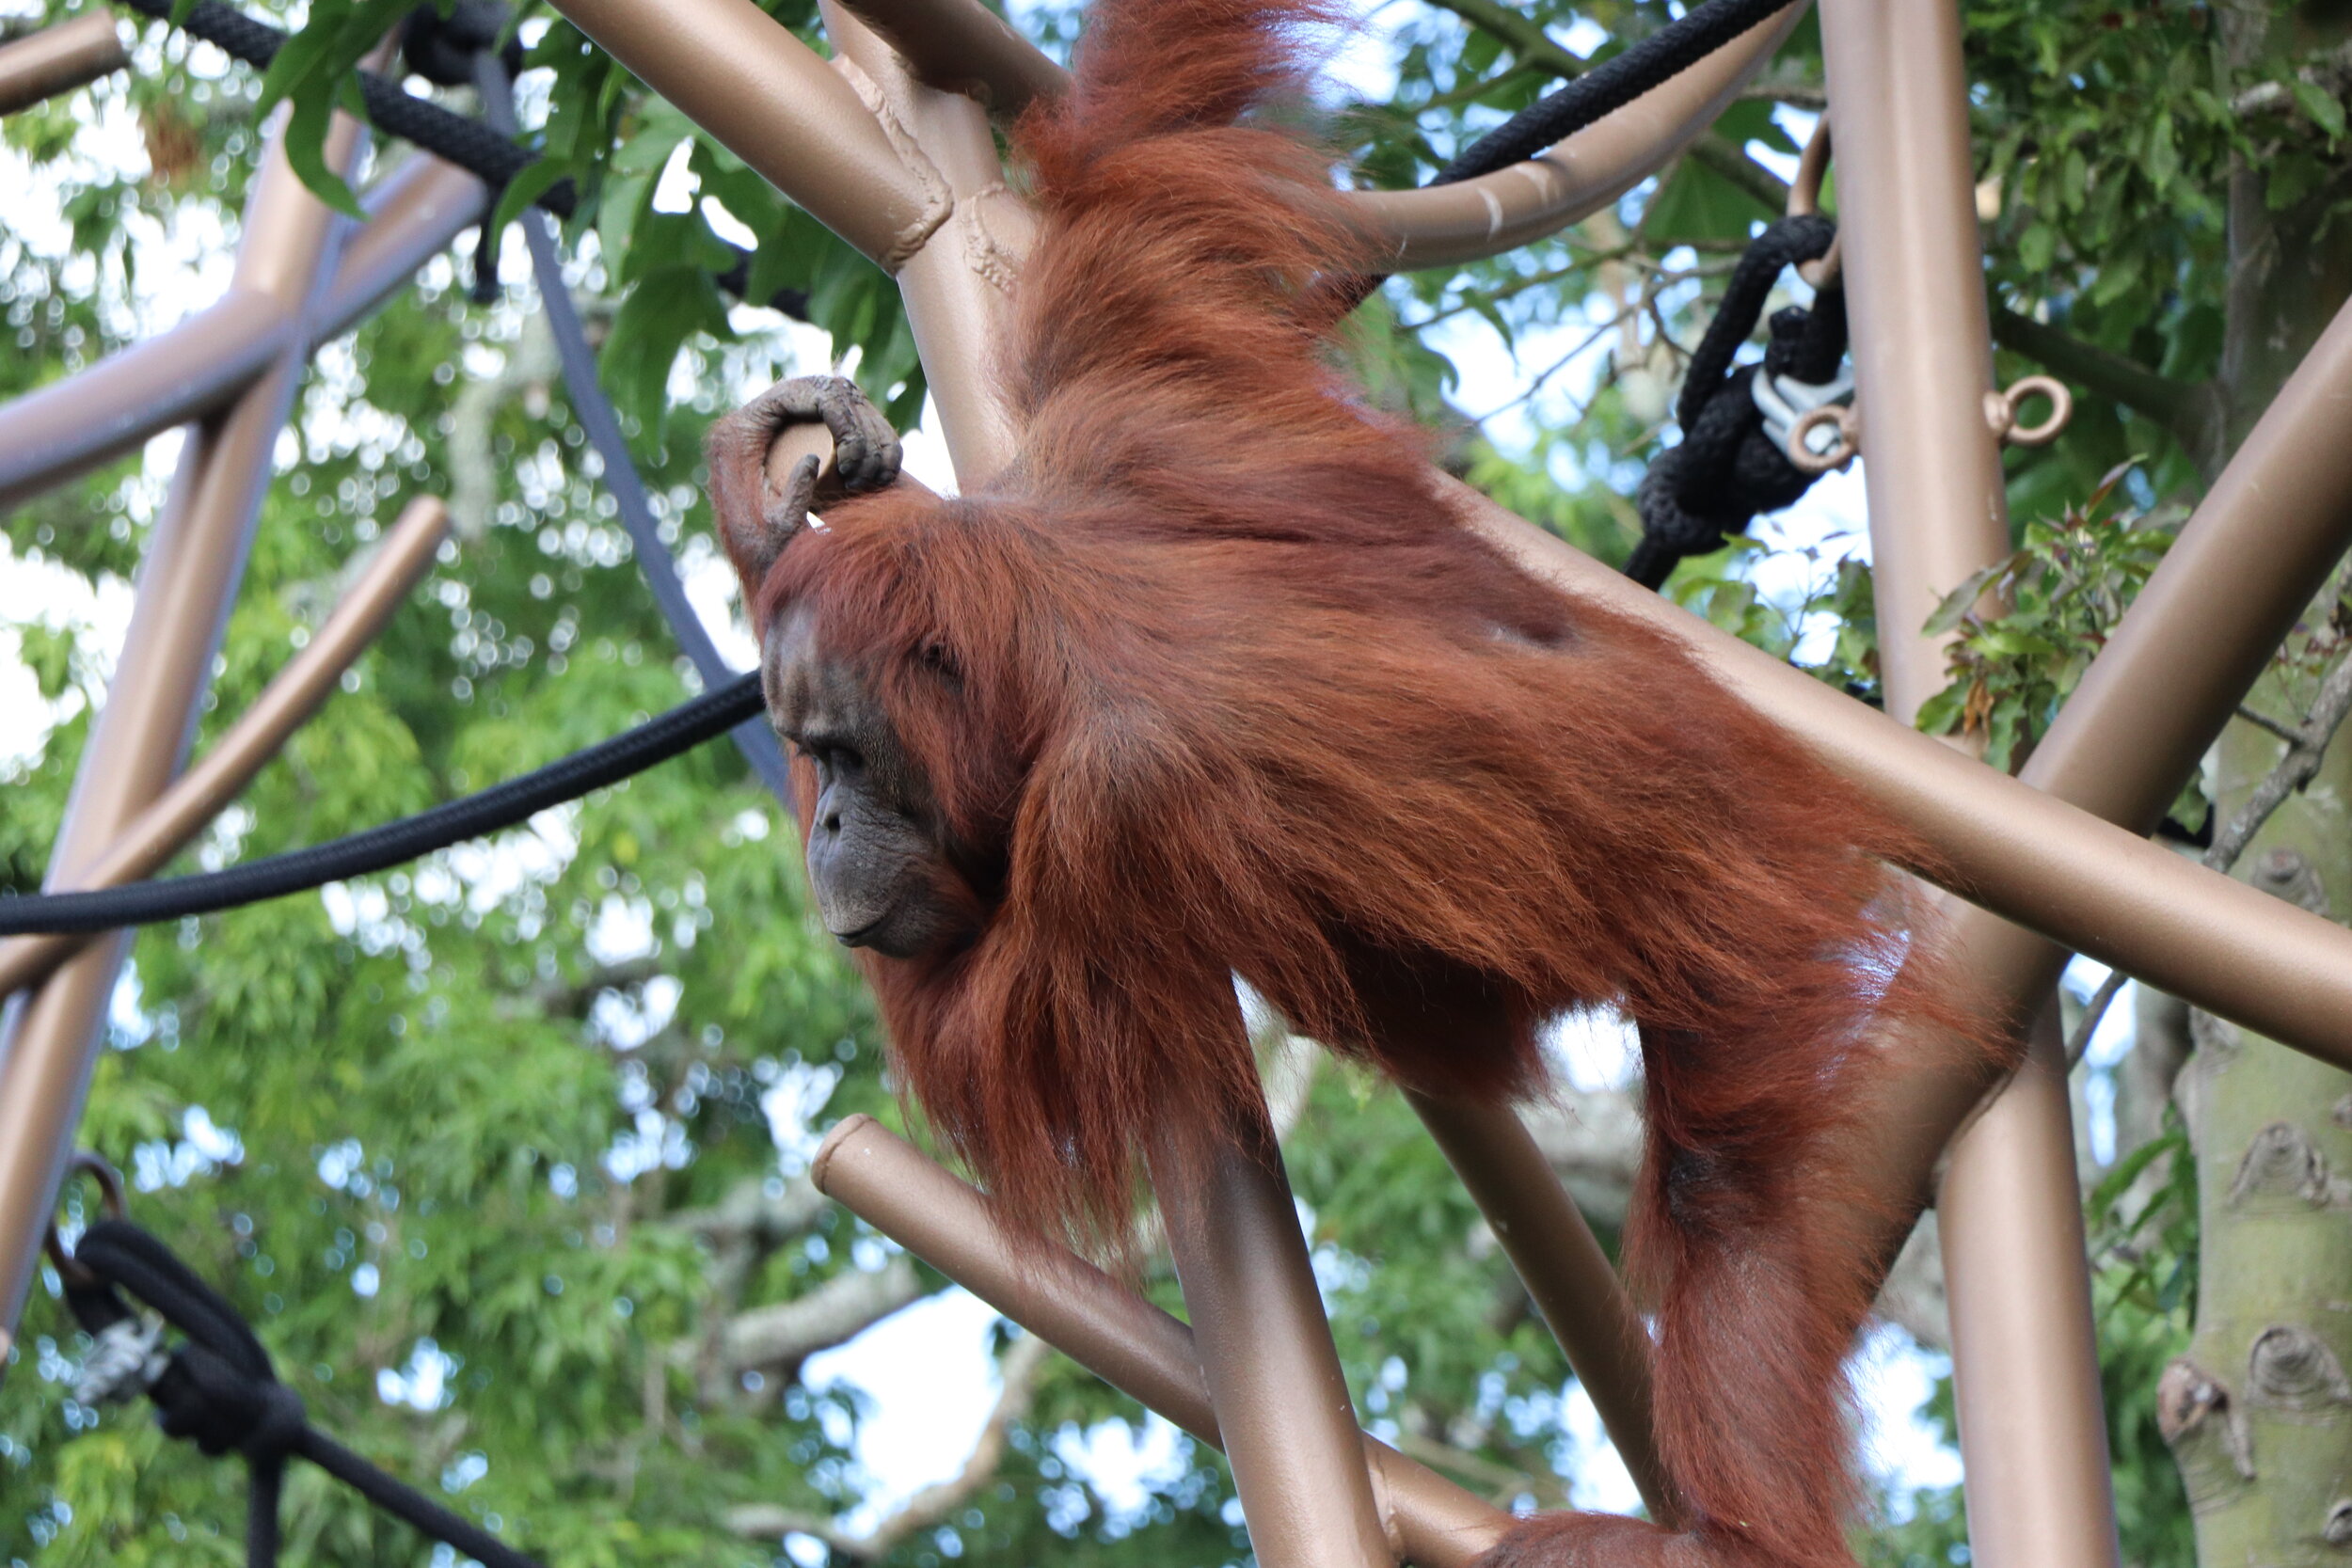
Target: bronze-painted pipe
[
  {"x": 58, "y": 60},
  {"x": 1444, "y": 225},
  {"x": 1100, "y": 1324},
  {"x": 2025, "y": 1366},
  {"x": 1266, "y": 1355},
  {"x": 49, "y": 1040},
  {"x": 55, "y": 432},
  {"x": 2006, "y": 846},
  {"x": 288, "y": 702},
  {"x": 1567, "y": 1274},
  {"x": 770, "y": 100},
  {"x": 2033, "y": 1429},
  {"x": 413, "y": 214},
  {"x": 2244, "y": 567},
  {"x": 70, "y": 427},
  {"x": 957, "y": 282},
  {"x": 961, "y": 46}
]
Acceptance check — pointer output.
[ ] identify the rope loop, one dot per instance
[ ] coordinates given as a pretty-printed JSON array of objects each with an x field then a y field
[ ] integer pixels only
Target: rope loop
[
  {"x": 219, "y": 1390},
  {"x": 1732, "y": 463}
]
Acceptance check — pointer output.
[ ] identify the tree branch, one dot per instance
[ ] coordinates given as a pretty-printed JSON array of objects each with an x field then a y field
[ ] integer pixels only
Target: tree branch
[
  {"x": 1732, "y": 162},
  {"x": 749, "y": 1217},
  {"x": 933, "y": 1505},
  {"x": 2179, "y": 406},
  {"x": 790, "y": 1332},
  {"x": 1524, "y": 34},
  {"x": 560, "y": 999}
]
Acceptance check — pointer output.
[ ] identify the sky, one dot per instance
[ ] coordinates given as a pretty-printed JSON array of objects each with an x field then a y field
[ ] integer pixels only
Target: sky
[{"x": 924, "y": 1377}]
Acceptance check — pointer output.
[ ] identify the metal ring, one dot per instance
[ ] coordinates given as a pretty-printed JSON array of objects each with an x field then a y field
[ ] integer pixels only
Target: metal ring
[
  {"x": 1849, "y": 446},
  {"x": 110, "y": 1198},
  {"x": 2023, "y": 391}
]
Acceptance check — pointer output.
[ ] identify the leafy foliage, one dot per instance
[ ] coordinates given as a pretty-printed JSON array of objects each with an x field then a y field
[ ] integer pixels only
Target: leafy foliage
[{"x": 2064, "y": 589}]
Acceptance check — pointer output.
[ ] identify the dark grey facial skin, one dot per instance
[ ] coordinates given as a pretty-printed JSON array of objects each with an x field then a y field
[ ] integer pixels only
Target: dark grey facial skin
[{"x": 875, "y": 854}]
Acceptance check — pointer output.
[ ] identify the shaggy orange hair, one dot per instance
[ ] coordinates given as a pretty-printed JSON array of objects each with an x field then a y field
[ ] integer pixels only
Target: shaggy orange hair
[{"x": 1208, "y": 683}]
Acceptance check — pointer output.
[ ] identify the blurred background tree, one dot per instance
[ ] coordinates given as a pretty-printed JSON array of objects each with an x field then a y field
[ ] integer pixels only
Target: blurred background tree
[{"x": 505, "y": 1152}]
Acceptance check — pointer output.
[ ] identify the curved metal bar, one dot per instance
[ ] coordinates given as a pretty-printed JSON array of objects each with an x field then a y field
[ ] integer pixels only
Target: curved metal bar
[
  {"x": 1265, "y": 1351},
  {"x": 284, "y": 705},
  {"x": 1102, "y": 1325},
  {"x": 413, "y": 214},
  {"x": 195, "y": 557},
  {"x": 2024, "y": 1357},
  {"x": 958, "y": 284},
  {"x": 1444, "y": 225},
  {"x": 71, "y": 427},
  {"x": 58, "y": 59},
  {"x": 768, "y": 99},
  {"x": 1567, "y": 1275},
  {"x": 961, "y": 46}
]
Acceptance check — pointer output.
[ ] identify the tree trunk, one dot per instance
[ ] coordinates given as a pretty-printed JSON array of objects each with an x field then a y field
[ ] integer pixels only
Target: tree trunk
[{"x": 2259, "y": 1412}]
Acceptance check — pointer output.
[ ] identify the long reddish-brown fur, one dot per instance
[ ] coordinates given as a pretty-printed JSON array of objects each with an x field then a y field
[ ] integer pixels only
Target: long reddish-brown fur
[{"x": 1209, "y": 683}]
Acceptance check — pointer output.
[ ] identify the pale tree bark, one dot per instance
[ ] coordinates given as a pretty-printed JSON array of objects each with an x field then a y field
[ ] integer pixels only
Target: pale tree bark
[
  {"x": 2259, "y": 1412},
  {"x": 933, "y": 1505}
]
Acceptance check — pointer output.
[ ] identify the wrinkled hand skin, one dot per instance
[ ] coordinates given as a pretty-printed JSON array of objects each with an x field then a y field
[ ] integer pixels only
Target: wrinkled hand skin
[{"x": 754, "y": 525}]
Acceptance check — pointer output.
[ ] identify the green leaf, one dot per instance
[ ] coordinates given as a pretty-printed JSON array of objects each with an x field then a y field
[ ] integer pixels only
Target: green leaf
[
  {"x": 1954, "y": 605},
  {"x": 2036, "y": 248},
  {"x": 666, "y": 307},
  {"x": 526, "y": 188},
  {"x": 2321, "y": 105}
]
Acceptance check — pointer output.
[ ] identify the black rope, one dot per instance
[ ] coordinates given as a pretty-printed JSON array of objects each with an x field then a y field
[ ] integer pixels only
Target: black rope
[
  {"x": 391, "y": 108},
  {"x": 469, "y": 144},
  {"x": 681, "y": 729},
  {"x": 752, "y": 737},
  {"x": 219, "y": 1391},
  {"x": 1609, "y": 85},
  {"x": 1729, "y": 468}
]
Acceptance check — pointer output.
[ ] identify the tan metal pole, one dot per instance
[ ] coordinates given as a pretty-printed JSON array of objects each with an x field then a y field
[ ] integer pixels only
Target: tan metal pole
[
  {"x": 2244, "y": 567},
  {"x": 194, "y": 561},
  {"x": 2006, "y": 846},
  {"x": 1102, "y": 1325},
  {"x": 1265, "y": 1351},
  {"x": 69, "y": 427},
  {"x": 961, "y": 46},
  {"x": 2152, "y": 702},
  {"x": 767, "y": 97},
  {"x": 413, "y": 214},
  {"x": 2025, "y": 1364},
  {"x": 957, "y": 282},
  {"x": 58, "y": 59},
  {"x": 1441, "y": 225},
  {"x": 284, "y": 705},
  {"x": 1567, "y": 1274}
]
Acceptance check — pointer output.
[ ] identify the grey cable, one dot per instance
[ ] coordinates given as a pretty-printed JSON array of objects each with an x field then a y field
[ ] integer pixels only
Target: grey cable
[{"x": 593, "y": 411}]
